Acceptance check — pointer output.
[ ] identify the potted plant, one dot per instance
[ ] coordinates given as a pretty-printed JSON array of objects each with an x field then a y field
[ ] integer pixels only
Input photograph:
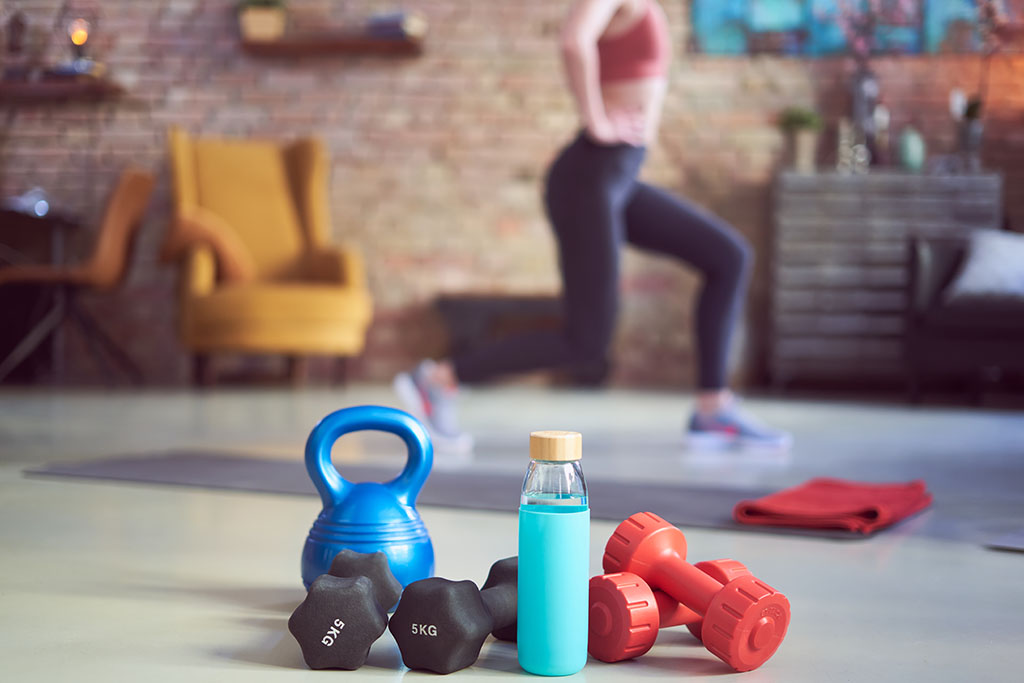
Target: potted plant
[
  {"x": 803, "y": 125},
  {"x": 261, "y": 20}
]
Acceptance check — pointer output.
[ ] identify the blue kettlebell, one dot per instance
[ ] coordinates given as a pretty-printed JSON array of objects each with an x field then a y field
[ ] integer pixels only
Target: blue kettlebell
[{"x": 369, "y": 516}]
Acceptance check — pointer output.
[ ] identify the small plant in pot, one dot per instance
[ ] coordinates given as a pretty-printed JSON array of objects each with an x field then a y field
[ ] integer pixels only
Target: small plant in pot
[
  {"x": 804, "y": 126},
  {"x": 262, "y": 20}
]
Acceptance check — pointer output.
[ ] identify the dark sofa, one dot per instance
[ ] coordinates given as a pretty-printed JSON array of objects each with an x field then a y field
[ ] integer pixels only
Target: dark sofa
[{"x": 963, "y": 339}]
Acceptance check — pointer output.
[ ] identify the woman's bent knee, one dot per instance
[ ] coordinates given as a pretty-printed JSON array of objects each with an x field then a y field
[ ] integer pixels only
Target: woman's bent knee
[{"x": 734, "y": 259}]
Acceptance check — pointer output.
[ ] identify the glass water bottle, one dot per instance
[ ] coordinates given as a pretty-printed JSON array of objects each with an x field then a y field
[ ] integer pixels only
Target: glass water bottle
[{"x": 554, "y": 557}]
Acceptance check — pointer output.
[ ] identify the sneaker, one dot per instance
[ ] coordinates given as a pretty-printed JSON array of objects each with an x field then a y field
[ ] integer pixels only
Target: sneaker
[
  {"x": 434, "y": 406},
  {"x": 734, "y": 428}
]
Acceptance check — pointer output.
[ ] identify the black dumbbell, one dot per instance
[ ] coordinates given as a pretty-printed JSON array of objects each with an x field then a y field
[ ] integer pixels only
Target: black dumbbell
[
  {"x": 440, "y": 625},
  {"x": 345, "y": 611},
  {"x": 375, "y": 567}
]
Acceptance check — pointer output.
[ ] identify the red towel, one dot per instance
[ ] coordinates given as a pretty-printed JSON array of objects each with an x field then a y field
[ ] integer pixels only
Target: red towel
[{"x": 836, "y": 504}]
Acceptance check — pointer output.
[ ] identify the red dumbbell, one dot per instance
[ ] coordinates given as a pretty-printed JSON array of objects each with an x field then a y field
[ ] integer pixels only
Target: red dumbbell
[
  {"x": 745, "y": 620},
  {"x": 625, "y": 614}
]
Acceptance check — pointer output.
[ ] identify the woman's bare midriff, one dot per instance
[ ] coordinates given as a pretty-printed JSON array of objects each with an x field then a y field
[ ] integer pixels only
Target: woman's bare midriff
[{"x": 635, "y": 105}]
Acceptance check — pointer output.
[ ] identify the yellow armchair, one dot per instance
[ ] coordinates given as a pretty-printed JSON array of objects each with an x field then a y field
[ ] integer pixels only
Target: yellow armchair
[{"x": 250, "y": 228}]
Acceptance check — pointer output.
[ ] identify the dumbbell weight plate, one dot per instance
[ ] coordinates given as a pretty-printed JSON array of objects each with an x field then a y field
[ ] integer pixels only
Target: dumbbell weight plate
[
  {"x": 745, "y": 623},
  {"x": 338, "y": 622},
  {"x": 505, "y": 573},
  {"x": 722, "y": 571},
  {"x": 440, "y": 625},
  {"x": 623, "y": 617},
  {"x": 375, "y": 567}
]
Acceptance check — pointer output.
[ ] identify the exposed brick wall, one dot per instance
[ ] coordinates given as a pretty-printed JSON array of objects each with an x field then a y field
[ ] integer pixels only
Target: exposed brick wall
[{"x": 438, "y": 160}]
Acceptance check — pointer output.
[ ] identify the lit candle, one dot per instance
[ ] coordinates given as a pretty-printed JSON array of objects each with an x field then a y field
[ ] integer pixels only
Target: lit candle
[{"x": 78, "y": 31}]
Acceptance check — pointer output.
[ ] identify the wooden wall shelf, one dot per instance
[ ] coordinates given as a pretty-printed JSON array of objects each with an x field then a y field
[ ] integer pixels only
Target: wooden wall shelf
[
  {"x": 57, "y": 90},
  {"x": 333, "y": 43}
]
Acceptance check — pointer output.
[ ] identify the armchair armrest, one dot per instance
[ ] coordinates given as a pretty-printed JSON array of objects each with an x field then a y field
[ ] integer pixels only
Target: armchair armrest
[
  {"x": 199, "y": 272},
  {"x": 933, "y": 263},
  {"x": 196, "y": 226},
  {"x": 917, "y": 294},
  {"x": 340, "y": 264}
]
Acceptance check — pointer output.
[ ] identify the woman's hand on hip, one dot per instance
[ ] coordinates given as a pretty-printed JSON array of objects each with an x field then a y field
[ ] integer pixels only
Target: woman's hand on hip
[
  {"x": 620, "y": 127},
  {"x": 602, "y": 133}
]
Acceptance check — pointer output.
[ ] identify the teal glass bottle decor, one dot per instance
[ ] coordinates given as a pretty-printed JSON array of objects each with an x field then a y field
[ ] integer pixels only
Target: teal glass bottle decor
[{"x": 912, "y": 149}]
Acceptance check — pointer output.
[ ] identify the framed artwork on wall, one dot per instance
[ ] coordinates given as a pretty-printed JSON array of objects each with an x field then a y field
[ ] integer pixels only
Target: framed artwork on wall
[{"x": 819, "y": 28}]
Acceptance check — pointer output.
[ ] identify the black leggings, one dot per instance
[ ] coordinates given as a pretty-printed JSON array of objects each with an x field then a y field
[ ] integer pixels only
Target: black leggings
[{"x": 595, "y": 202}]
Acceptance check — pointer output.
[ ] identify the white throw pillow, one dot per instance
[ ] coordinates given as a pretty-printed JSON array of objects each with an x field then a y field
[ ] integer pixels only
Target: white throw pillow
[{"x": 992, "y": 268}]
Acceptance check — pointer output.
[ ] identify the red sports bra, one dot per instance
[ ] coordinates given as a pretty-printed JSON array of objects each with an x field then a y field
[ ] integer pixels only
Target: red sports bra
[{"x": 641, "y": 52}]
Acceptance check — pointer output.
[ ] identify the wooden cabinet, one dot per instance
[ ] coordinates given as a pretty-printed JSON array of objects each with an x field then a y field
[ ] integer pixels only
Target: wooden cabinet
[{"x": 839, "y": 269}]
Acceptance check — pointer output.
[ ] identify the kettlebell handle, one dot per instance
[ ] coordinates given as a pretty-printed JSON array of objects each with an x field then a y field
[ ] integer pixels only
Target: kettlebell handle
[{"x": 333, "y": 487}]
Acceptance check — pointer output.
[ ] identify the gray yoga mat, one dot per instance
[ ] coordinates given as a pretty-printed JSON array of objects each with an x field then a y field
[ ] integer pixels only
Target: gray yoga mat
[{"x": 685, "y": 506}]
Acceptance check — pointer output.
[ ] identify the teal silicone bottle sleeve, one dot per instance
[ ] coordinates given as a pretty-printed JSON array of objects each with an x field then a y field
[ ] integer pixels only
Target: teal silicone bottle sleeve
[{"x": 554, "y": 567}]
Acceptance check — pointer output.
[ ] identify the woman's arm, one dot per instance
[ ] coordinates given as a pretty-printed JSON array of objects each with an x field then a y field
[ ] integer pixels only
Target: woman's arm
[{"x": 587, "y": 21}]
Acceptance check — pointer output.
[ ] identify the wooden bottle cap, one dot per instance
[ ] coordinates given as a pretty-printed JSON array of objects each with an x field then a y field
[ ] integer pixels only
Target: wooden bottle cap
[{"x": 556, "y": 445}]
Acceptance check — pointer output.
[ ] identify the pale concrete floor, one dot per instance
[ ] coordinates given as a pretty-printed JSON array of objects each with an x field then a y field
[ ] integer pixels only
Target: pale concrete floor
[{"x": 104, "y": 581}]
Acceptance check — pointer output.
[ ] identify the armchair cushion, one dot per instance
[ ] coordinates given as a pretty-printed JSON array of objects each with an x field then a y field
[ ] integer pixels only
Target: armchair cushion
[
  {"x": 246, "y": 184},
  {"x": 982, "y": 317},
  {"x": 291, "y": 318},
  {"x": 992, "y": 269},
  {"x": 338, "y": 265}
]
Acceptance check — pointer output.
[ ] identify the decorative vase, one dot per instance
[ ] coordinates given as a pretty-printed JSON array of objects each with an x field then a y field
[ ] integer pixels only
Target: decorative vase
[
  {"x": 864, "y": 93},
  {"x": 805, "y": 150},
  {"x": 262, "y": 24},
  {"x": 912, "y": 149},
  {"x": 969, "y": 142}
]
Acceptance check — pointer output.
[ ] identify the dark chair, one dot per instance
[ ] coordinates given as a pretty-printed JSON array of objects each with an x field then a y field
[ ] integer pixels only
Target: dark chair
[
  {"x": 104, "y": 271},
  {"x": 962, "y": 339}
]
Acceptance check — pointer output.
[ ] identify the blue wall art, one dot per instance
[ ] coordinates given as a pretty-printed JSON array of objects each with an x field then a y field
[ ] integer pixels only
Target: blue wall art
[{"x": 820, "y": 28}]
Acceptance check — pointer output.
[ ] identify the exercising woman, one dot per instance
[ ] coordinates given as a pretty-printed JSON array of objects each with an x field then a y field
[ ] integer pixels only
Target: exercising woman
[{"x": 616, "y": 55}]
